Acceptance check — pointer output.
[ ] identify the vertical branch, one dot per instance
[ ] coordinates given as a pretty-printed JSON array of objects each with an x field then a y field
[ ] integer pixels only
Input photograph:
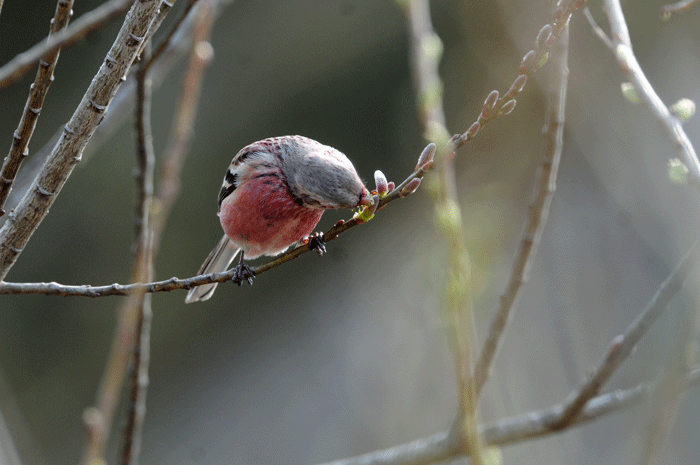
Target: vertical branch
[
  {"x": 99, "y": 419},
  {"x": 144, "y": 196},
  {"x": 32, "y": 109},
  {"x": 537, "y": 212},
  {"x": 183, "y": 123},
  {"x": 426, "y": 49}
]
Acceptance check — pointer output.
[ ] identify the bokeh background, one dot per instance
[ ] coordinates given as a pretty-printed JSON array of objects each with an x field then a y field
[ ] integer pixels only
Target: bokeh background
[{"x": 332, "y": 357}]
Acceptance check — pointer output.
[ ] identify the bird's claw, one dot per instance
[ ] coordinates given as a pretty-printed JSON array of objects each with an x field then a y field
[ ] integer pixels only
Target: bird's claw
[
  {"x": 317, "y": 243},
  {"x": 242, "y": 272}
]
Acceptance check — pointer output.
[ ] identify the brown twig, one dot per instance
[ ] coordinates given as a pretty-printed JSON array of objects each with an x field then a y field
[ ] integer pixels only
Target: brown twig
[
  {"x": 167, "y": 42},
  {"x": 537, "y": 211},
  {"x": 35, "y": 204},
  {"x": 402, "y": 190},
  {"x": 444, "y": 446},
  {"x": 623, "y": 345},
  {"x": 183, "y": 124},
  {"x": 145, "y": 162},
  {"x": 123, "y": 104},
  {"x": 13, "y": 70},
  {"x": 32, "y": 109}
]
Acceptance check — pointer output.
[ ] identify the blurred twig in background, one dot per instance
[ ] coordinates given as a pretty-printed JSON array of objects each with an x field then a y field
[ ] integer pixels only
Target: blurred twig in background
[{"x": 465, "y": 437}]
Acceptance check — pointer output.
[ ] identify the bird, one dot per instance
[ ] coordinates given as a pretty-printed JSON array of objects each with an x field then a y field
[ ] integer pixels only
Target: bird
[{"x": 273, "y": 196}]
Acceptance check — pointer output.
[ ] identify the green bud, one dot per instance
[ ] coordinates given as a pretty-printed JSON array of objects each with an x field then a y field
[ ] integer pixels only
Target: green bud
[
  {"x": 630, "y": 92},
  {"x": 684, "y": 109},
  {"x": 677, "y": 171}
]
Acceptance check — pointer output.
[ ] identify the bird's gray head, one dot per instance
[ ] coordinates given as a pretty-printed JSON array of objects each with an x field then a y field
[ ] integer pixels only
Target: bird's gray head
[{"x": 320, "y": 176}]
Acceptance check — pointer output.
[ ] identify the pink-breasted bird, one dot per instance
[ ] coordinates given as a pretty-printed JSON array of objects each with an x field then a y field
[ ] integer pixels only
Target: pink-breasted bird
[{"x": 274, "y": 193}]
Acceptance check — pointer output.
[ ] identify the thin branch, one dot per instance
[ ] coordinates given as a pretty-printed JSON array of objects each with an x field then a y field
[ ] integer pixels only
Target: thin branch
[
  {"x": 122, "y": 106},
  {"x": 623, "y": 345},
  {"x": 537, "y": 211},
  {"x": 32, "y": 109},
  {"x": 679, "y": 7},
  {"x": 144, "y": 262},
  {"x": 172, "y": 35},
  {"x": 497, "y": 105},
  {"x": 540, "y": 423},
  {"x": 35, "y": 204},
  {"x": 183, "y": 124},
  {"x": 426, "y": 51},
  {"x": 597, "y": 29},
  {"x": 172, "y": 284},
  {"x": 13, "y": 70},
  {"x": 621, "y": 46}
]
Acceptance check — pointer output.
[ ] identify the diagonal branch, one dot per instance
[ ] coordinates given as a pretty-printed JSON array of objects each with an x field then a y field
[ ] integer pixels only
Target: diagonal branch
[
  {"x": 35, "y": 204},
  {"x": 623, "y": 345},
  {"x": 32, "y": 109},
  {"x": 444, "y": 446},
  {"x": 678, "y": 7},
  {"x": 537, "y": 212},
  {"x": 621, "y": 46},
  {"x": 13, "y": 70}
]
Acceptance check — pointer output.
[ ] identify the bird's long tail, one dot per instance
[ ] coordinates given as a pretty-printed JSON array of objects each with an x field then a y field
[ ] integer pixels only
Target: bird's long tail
[{"x": 218, "y": 260}]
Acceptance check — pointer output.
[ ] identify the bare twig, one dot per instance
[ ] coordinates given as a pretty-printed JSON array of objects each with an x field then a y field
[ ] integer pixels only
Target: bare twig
[
  {"x": 426, "y": 51},
  {"x": 183, "y": 124},
  {"x": 167, "y": 42},
  {"x": 144, "y": 262},
  {"x": 678, "y": 7},
  {"x": 35, "y": 204},
  {"x": 444, "y": 446},
  {"x": 621, "y": 45},
  {"x": 402, "y": 190},
  {"x": 123, "y": 104},
  {"x": 37, "y": 93},
  {"x": 623, "y": 345},
  {"x": 91, "y": 21},
  {"x": 537, "y": 212},
  {"x": 668, "y": 393}
]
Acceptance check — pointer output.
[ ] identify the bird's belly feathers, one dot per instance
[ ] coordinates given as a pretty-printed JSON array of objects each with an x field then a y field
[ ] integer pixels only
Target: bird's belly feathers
[{"x": 261, "y": 217}]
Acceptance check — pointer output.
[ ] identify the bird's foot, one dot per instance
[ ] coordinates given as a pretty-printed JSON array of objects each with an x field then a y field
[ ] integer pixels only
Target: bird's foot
[
  {"x": 317, "y": 243},
  {"x": 242, "y": 272}
]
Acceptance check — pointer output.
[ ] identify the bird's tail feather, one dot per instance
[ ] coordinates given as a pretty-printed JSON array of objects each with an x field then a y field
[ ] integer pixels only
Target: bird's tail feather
[{"x": 218, "y": 260}]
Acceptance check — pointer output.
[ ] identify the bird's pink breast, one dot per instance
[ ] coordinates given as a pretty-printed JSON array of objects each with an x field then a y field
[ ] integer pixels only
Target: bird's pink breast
[{"x": 261, "y": 217}]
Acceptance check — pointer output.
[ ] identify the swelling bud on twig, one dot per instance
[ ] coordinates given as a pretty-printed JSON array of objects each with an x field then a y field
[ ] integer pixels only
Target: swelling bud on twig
[
  {"x": 624, "y": 56},
  {"x": 677, "y": 171},
  {"x": 526, "y": 66},
  {"x": 426, "y": 156},
  {"x": 684, "y": 109},
  {"x": 517, "y": 85},
  {"x": 411, "y": 187},
  {"x": 630, "y": 92},
  {"x": 472, "y": 131},
  {"x": 381, "y": 183},
  {"x": 507, "y": 107},
  {"x": 543, "y": 36}
]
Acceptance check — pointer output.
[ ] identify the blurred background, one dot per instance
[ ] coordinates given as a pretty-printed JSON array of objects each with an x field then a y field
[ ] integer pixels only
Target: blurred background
[{"x": 327, "y": 358}]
